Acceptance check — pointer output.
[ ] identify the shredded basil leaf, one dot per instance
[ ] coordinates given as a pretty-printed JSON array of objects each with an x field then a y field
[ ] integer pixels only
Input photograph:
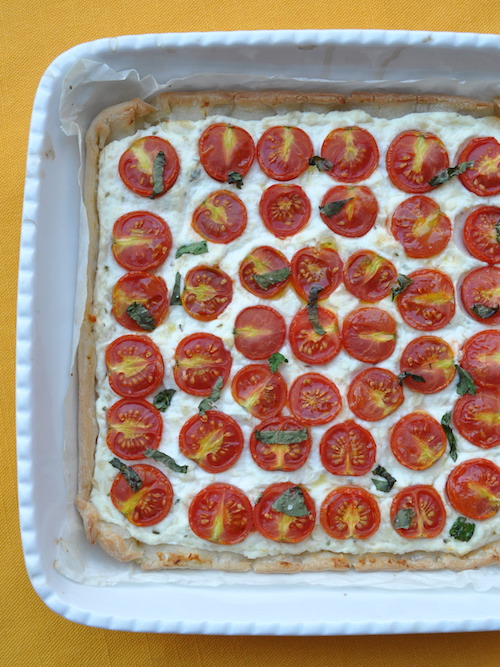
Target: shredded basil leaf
[
  {"x": 197, "y": 248},
  {"x": 402, "y": 283},
  {"x": 331, "y": 208},
  {"x": 447, "y": 174},
  {"x": 175, "y": 299},
  {"x": 386, "y": 484},
  {"x": 165, "y": 459},
  {"x": 484, "y": 312},
  {"x": 403, "y": 518},
  {"x": 208, "y": 403},
  {"x": 497, "y": 230},
  {"x": 265, "y": 280},
  {"x": 450, "y": 436},
  {"x": 163, "y": 399},
  {"x": 281, "y": 437},
  {"x": 141, "y": 316},
  {"x": 275, "y": 361},
  {"x": 321, "y": 163},
  {"x": 235, "y": 178},
  {"x": 158, "y": 170},
  {"x": 462, "y": 530},
  {"x": 312, "y": 309},
  {"x": 466, "y": 384},
  {"x": 291, "y": 502},
  {"x": 130, "y": 475},
  {"x": 407, "y": 374}
]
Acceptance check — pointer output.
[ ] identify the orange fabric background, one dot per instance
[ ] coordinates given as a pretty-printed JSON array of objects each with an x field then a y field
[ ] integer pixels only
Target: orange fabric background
[{"x": 32, "y": 34}]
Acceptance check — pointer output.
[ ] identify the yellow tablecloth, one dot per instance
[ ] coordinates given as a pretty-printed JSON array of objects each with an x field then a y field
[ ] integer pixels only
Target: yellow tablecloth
[{"x": 32, "y": 34}]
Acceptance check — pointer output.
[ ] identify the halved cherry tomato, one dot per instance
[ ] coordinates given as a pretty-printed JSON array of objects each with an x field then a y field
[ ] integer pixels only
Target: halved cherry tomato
[
  {"x": 483, "y": 178},
  {"x": 143, "y": 288},
  {"x": 374, "y": 394},
  {"x": 221, "y": 218},
  {"x": 430, "y": 358},
  {"x": 429, "y": 514},
  {"x": 224, "y": 149},
  {"x": 348, "y": 449},
  {"x": 141, "y": 240},
  {"x": 353, "y": 152},
  {"x": 481, "y": 358},
  {"x": 314, "y": 399},
  {"x": 421, "y": 227},
  {"x": 280, "y": 456},
  {"x": 150, "y": 504},
  {"x": 279, "y": 526},
  {"x": 259, "y": 391},
  {"x": 221, "y": 513},
  {"x": 357, "y": 216},
  {"x": 473, "y": 488},
  {"x": 284, "y": 209},
  {"x": 136, "y": 165},
  {"x": 418, "y": 441},
  {"x": 369, "y": 334},
  {"x": 320, "y": 265},
  {"x": 480, "y": 234},
  {"x": 259, "y": 332},
  {"x": 369, "y": 276},
  {"x": 135, "y": 366},
  {"x": 200, "y": 359},
  {"x": 263, "y": 259},
  {"x": 213, "y": 440},
  {"x": 477, "y": 418},
  {"x": 481, "y": 287},
  {"x": 429, "y": 302},
  {"x": 414, "y": 158},
  {"x": 133, "y": 426},
  {"x": 284, "y": 152},
  {"x": 350, "y": 511},
  {"x": 207, "y": 292},
  {"x": 311, "y": 347}
]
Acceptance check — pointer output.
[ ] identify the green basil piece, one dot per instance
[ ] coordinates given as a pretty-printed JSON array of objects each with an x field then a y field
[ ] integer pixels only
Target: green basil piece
[
  {"x": 197, "y": 248},
  {"x": 130, "y": 475},
  {"x": 462, "y": 530},
  {"x": 266, "y": 280},
  {"x": 450, "y": 436},
  {"x": 484, "y": 312},
  {"x": 497, "y": 230},
  {"x": 281, "y": 437},
  {"x": 291, "y": 502},
  {"x": 386, "y": 484},
  {"x": 165, "y": 459},
  {"x": 402, "y": 283},
  {"x": 163, "y": 399},
  {"x": 331, "y": 208},
  {"x": 275, "y": 361},
  {"x": 407, "y": 374},
  {"x": 235, "y": 178},
  {"x": 208, "y": 403},
  {"x": 141, "y": 316},
  {"x": 447, "y": 174},
  {"x": 466, "y": 384},
  {"x": 321, "y": 163},
  {"x": 312, "y": 309},
  {"x": 403, "y": 519},
  {"x": 158, "y": 171},
  {"x": 175, "y": 299}
]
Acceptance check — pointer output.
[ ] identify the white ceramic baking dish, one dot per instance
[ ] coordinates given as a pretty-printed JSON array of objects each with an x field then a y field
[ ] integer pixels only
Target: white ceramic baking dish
[{"x": 210, "y": 603}]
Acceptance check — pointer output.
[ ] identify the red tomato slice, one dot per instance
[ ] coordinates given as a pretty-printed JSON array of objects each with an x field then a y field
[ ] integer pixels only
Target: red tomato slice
[
  {"x": 150, "y": 504},
  {"x": 285, "y": 210},
  {"x": 278, "y": 526},
  {"x": 483, "y": 178},
  {"x": 414, "y": 158},
  {"x": 279, "y": 456},
  {"x": 477, "y": 418},
  {"x": 136, "y": 165},
  {"x": 369, "y": 334},
  {"x": 369, "y": 276},
  {"x": 357, "y": 216},
  {"x": 259, "y": 332},
  {"x": 221, "y": 513},
  {"x": 311, "y": 347},
  {"x": 200, "y": 359},
  {"x": 353, "y": 152},
  {"x": 319, "y": 265},
  {"x": 135, "y": 366},
  {"x": 430, "y": 358},
  {"x": 480, "y": 234},
  {"x": 314, "y": 399},
  {"x": 429, "y": 302},
  {"x": 142, "y": 288},
  {"x": 481, "y": 287},
  {"x": 481, "y": 358},
  {"x": 473, "y": 488},
  {"x": 421, "y": 227},
  {"x": 350, "y": 511},
  {"x": 214, "y": 441},
  {"x": 141, "y": 241},
  {"x": 374, "y": 394},
  {"x": 260, "y": 392},
  {"x": 418, "y": 441},
  {"x": 348, "y": 449},
  {"x": 263, "y": 259},
  {"x": 208, "y": 291},
  {"x": 133, "y": 426},
  {"x": 283, "y": 152},
  {"x": 429, "y": 513},
  {"x": 224, "y": 149},
  {"x": 221, "y": 218}
]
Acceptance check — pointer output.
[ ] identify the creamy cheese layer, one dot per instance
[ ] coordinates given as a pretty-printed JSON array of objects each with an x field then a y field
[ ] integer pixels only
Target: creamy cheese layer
[{"x": 176, "y": 207}]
